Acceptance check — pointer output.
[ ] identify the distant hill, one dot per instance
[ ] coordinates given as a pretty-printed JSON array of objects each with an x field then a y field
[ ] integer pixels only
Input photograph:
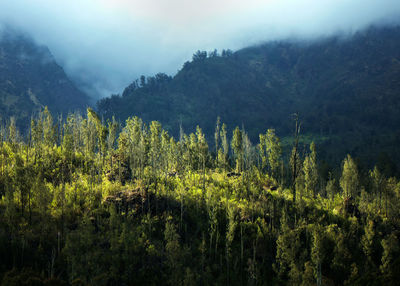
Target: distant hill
[
  {"x": 346, "y": 91},
  {"x": 31, "y": 79}
]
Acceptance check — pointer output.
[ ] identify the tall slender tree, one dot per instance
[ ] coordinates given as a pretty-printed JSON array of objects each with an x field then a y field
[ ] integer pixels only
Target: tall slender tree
[
  {"x": 349, "y": 180},
  {"x": 310, "y": 170}
]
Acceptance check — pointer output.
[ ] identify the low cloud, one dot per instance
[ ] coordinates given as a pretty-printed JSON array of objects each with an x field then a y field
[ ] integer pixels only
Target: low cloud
[{"x": 105, "y": 44}]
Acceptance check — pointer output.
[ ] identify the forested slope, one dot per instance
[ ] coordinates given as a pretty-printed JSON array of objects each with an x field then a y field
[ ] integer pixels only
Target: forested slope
[
  {"x": 81, "y": 205},
  {"x": 345, "y": 89},
  {"x": 31, "y": 79}
]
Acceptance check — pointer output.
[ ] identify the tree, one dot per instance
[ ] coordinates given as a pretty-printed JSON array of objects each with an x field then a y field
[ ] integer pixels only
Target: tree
[
  {"x": 37, "y": 137},
  {"x": 367, "y": 244},
  {"x": 101, "y": 130},
  {"x": 133, "y": 131},
  {"x": 378, "y": 183},
  {"x": 273, "y": 151},
  {"x": 113, "y": 129},
  {"x": 216, "y": 135},
  {"x": 308, "y": 274},
  {"x": 173, "y": 254},
  {"x": 349, "y": 180},
  {"x": 311, "y": 171},
  {"x": 202, "y": 151},
  {"x": 199, "y": 56},
  {"x": 226, "y": 53},
  {"x": 261, "y": 150},
  {"x": 294, "y": 159},
  {"x": 317, "y": 253},
  {"x": 390, "y": 253},
  {"x": 237, "y": 147},
  {"x": 13, "y": 134},
  {"x": 213, "y": 54},
  {"x": 166, "y": 160},
  {"x": 224, "y": 150},
  {"x": 49, "y": 132},
  {"x": 332, "y": 188},
  {"x": 247, "y": 152},
  {"x": 155, "y": 144},
  {"x": 288, "y": 248},
  {"x": 342, "y": 257},
  {"x": 68, "y": 141},
  {"x": 142, "y": 81},
  {"x": 230, "y": 235}
]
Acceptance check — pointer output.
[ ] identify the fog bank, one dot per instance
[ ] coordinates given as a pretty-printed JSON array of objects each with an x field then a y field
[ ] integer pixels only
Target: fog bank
[{"x": 105, "y": 44}]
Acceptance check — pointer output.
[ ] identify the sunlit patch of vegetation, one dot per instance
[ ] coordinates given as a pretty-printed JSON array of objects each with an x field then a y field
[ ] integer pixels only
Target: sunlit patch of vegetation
[{"x": 96, "y": 203}]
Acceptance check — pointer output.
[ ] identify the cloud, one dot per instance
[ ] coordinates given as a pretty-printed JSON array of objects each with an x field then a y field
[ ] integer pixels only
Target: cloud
[{"x": 105, "y": 44}]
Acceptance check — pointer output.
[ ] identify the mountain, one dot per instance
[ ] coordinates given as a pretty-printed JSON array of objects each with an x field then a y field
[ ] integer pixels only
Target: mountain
[
  {"x": 346, "y": 91},
  {"x": 30, "y": 79}
]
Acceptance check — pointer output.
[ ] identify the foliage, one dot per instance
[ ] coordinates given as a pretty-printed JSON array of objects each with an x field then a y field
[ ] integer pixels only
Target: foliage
[
  {"x": 95, "y": 203},
  {"x": 30, "y": 79},
  {"x": 344, "y": 90}
]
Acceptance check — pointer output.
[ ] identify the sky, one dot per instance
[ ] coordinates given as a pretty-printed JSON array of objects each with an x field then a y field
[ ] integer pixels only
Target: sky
[{"x": 106, "y": 44}]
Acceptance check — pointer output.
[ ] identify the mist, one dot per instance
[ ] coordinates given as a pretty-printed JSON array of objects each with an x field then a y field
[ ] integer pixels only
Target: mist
[{"x": 103, "y": 45}]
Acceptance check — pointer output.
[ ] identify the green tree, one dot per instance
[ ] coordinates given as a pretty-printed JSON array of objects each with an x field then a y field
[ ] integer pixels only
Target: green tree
[
  {"x": 295, "y": 156},
  {"x": 378, "y": 184},
  {"x": 288, "y": 247},
  {"x": 155, "y": 144},
  {"x": 310, "y": 170},
  {"x": 273, "y": 151},
  {"x": 390, "y": 254},
  {"x": 173, "y": 254},
  {"x": 216, "y": 135},
  {"x": 224, "y": 150},
  {"x": 101, "y": 131},
  {"x": 367, "y": 244},
  {"x": 332, "y": 188},
  {"x": 230, "y": 235},
  {"x": 317, "y": 253},
  {"x": 308, "y": 274},
  {"x": 237, "y": 147},
  {"x": 248, "y": 156},
  {"x": 13, "y": 133},
  {"x": 49, "y": 130},
  {"x": 261, "y": 150},
  {"x": 202, "y": 151},
  {"x": 349, "y": 180}
]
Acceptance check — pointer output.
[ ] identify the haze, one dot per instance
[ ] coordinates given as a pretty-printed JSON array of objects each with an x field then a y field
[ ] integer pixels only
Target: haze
[{"x": 104, "y": 45}]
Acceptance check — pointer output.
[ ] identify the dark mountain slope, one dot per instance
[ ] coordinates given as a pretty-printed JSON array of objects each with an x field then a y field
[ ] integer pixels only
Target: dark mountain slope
[
  {"x": 30, "y": 79},
  {"x": 347, "y": 92}
]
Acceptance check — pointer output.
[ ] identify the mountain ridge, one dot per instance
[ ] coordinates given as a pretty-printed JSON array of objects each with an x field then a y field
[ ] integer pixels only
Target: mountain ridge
[
  {"x": 341, "y": 87},
  {"x": 30, "y": 79}
]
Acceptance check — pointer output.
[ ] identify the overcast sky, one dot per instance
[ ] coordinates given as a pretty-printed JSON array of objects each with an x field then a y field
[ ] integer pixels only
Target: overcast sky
[{"x": 112, "y": 42}]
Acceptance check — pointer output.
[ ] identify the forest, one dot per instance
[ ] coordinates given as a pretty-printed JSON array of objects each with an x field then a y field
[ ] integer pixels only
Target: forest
[
  {"x": 345, "y": 89},
  {"x": 87, "y": 201}
]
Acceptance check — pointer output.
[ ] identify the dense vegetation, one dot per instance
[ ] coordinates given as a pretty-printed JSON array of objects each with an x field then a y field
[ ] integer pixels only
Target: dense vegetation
[
  {"x": 87, "y": 202},
  {"x": 346, "y": 90},
  {"x": 31, "y": 79}
]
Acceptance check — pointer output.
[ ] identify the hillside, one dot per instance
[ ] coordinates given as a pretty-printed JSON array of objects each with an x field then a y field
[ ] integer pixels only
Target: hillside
[
  {"x": 346, "y": 91},
  {"x": 75, "y": 209},
  {"x": 31, "y": 79}
]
